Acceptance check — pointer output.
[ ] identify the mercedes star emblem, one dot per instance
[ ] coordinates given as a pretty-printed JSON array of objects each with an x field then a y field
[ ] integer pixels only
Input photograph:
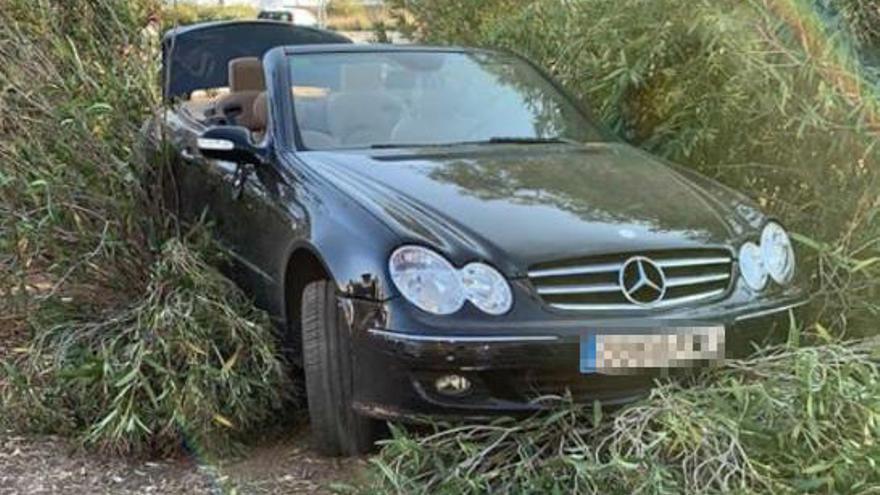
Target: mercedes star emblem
[{"x": 642, "y": 281}]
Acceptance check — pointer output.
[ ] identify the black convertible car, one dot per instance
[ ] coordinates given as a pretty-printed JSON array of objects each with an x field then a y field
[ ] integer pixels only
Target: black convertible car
[{"x": 445, "y": 231}]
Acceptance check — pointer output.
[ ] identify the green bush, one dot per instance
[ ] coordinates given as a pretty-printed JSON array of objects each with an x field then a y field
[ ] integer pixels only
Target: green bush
[
  {"x": 775, "y": 98},
  {"x": 190, "y": 361},
  {"x": 767, "y": 96},
  {"x": 787, "y": 422},
  {"x": 135, "y": 342}
]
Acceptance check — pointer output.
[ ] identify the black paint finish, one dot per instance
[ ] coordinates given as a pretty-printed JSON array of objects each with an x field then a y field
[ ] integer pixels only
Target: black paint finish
[{"x": 511, "y": 206}]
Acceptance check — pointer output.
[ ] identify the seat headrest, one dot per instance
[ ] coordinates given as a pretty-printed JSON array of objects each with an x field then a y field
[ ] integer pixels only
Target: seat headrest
[
  {"x": 246, "y": 74},
  {"x": 361, "y": 77}
]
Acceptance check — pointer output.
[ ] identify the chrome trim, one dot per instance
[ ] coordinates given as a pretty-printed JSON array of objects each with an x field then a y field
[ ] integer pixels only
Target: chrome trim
[
  {"x": 657, "y": 283},
  {"x": 765, "y": 312},
  {"x": 452, "y": 339},
  {"x": 712, "y": 268},
  {"x": 578, "y": 289},
  {"x": 696, "y": 280},
  {"x": 692, "y": 298},
  {"x": 623, "y": 307},
  {"x": 676, "y": 263},
  {"x": 600, "y": 288},
  {"x": 615, "y": 267},
  {"x": 577, "y": 270},
  {"x": 215, "y": 144}
]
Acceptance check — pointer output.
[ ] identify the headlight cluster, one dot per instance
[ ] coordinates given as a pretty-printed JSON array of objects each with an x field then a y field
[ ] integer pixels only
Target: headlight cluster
[
  {"x": 772, "y": 259},
  {"x": 430, "y": 282}
]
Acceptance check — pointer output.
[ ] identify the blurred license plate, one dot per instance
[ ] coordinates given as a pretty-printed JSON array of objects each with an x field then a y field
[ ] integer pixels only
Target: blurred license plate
[{"x": 662, "y": 348}]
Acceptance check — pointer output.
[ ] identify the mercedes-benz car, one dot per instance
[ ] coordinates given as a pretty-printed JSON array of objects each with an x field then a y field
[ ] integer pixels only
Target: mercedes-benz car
[{"x": 447, "y": 232}]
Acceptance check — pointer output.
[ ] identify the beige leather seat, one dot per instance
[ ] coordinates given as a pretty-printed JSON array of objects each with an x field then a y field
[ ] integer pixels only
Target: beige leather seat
[
  {"x": 246, "y": 83},
  {"x": 432, "y": 119},
  {"x": 313, "y": 139},
  {"x": 261, "y": 114},
  {"x": 362, "y": 113}
]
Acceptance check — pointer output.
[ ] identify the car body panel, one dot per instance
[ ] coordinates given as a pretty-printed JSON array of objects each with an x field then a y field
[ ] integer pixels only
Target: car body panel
[
  {"x": 568, "y": 201},
  {"x": 510, "y": 368},
  {"x": 511, "y": 206}
]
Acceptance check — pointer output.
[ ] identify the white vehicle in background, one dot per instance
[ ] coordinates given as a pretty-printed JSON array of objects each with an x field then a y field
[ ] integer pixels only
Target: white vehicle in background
[{"x": 298, "y": 16}]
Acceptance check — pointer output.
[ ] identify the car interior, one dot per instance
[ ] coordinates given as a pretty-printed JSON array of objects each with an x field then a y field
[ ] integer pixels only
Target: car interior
[
  {"x": 356, "y": 102},
  {"x": 364, "y": 104},
  {"x": 359, "y": 111},
  {"x": 349, "y": 105},
  {"x": 242, "y": 103}
]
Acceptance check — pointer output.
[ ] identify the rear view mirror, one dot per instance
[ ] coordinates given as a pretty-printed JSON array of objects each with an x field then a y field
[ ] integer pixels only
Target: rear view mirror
[{"x": 229, "y": 143}]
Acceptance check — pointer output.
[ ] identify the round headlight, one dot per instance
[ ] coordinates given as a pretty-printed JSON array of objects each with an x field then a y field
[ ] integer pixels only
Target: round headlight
[
  {"x": 427, "y": 280},
  {"x": 777, "y": 253},
  {"x": 751, "y": 266},
  {"x": 486, "y": 288}
]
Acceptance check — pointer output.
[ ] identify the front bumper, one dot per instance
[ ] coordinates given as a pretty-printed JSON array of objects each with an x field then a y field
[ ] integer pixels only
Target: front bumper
[{"x": 514, "y": 371}]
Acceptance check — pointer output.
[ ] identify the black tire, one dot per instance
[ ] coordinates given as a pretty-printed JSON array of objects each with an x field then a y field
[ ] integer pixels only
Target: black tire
[{"x": 327, "y": 360}]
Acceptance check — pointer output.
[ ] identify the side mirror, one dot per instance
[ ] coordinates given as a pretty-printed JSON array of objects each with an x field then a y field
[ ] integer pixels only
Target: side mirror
[{"x": 230, "y": 144}]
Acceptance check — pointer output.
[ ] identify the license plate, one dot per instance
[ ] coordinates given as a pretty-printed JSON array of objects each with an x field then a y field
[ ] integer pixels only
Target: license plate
[{"x": 661, "y": 348}]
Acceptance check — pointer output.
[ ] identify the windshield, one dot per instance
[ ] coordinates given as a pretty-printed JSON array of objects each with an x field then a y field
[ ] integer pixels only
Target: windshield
[{"x": 415, "y": 98}]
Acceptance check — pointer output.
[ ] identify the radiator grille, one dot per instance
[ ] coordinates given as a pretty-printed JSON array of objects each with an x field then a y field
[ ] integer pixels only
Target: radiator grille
[{"x": 593, "y": 284}]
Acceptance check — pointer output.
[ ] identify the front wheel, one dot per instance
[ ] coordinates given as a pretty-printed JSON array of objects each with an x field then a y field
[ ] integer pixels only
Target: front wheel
[{"x": 328, "y": 363}]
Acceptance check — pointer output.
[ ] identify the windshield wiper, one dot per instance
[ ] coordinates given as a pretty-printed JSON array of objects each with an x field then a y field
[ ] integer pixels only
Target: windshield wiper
[
  {"x": 492, "y": 140},
  {"x": 528, "y": 140},
  {"x": 389, "y": 146}
]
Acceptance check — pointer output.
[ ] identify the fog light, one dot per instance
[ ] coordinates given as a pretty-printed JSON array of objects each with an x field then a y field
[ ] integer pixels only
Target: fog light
[{"x": 452, "y": 385}]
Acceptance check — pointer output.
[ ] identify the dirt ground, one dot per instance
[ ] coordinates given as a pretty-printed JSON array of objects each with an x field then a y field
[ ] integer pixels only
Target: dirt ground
[{"x": 285, "y": 464}]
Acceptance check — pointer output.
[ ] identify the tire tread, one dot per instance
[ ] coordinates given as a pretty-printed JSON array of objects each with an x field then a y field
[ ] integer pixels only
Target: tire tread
[{"x": 328, "y": 364}]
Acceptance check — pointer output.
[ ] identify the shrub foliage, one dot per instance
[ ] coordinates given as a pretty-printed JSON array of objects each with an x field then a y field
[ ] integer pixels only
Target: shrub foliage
[
  {"x": 189, "y": 361},
  {"x": 786, "y": 422},
  {"x": 136, "y": 343},
  {"x": 776, "y": 98}
]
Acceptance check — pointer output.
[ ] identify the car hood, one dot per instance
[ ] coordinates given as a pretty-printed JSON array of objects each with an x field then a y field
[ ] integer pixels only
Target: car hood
[{"x": 516, "y": 206}]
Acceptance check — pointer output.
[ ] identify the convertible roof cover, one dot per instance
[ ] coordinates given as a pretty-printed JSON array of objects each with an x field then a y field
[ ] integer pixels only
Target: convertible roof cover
[{"x": 197, "y": 56}]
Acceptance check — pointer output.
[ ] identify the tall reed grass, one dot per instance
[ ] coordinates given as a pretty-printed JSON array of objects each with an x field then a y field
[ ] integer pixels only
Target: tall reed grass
[
  {"x": 179, "y": 13},
  {"x": 134, "y": 342},
  {"x": 787, "y": 421},
  {"x": 776, "y": 98}
]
